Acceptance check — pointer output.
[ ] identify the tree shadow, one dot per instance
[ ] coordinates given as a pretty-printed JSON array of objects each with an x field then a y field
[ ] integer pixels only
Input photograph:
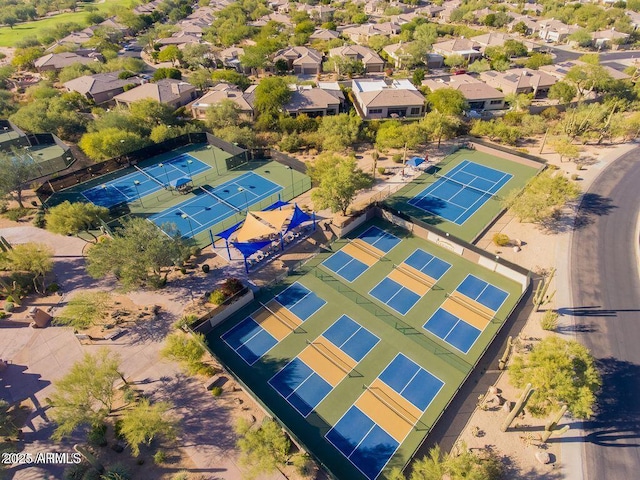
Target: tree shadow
[
  {"x": 514, "y": 472},
  {"x": 593, "y": 311},
  {"x": 592, "y": 205}
]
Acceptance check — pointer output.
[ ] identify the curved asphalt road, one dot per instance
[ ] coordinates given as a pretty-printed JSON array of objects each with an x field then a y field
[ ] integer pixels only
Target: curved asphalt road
[{"x": 606, "y": 309}]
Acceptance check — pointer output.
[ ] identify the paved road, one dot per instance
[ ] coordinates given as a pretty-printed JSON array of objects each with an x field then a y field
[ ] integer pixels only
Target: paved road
[{"x": 606, "y": 309}]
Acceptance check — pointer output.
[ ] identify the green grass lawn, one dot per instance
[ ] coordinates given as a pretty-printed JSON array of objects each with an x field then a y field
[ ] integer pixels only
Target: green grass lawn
[{"x": 10, "y": 36}]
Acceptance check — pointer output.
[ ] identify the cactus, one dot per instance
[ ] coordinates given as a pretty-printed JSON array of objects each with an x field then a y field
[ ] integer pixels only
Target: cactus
[
  {"x": 519, "y": 406},
  {"x": 6, "y": 245},
  {"x": 550, "y": 427},
  {"x": 89, "y": 457},
  {"x": 502, "y": 363},
  {"x": 540, "y": 296}
]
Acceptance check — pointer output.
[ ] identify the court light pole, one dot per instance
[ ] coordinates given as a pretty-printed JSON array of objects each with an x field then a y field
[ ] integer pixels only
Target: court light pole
[
  {"x": 185, "y": 216},
  {"x": 291, "y": 171},
  {"x": 215, "y": 160},
  {"x": 165, "y": 172},
  {"x": 246, "y": 202},
  {"x": 136, "y": 183},
  {"x": 189, "y": 162}
]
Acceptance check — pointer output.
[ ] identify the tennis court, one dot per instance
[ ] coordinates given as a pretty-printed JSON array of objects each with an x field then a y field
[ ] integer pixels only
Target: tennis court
[
  {"x": 323, "y": 364},
  {"x": 355, "y": 258},
  {"x": 466, "y": 312},
  {"x": 144, "y": 181},
  {"x": 212, "y": 205},
  {"x": 372, "y": 429},
  {"x": 459, "y": 194},
  {"x": 272, "y": 322},
  {"x": 410, "y": 281},
  {"x": 358, "y": 383}
]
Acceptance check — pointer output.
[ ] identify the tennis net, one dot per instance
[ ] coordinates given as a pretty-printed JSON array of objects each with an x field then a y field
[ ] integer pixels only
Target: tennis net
[
  {"x": 360, "y": 244},
  {"x": 287, "y": 323},
  {"x": 397, "y": 409},
  {"x": 458, "y": 299},
  {"x": 224, "y": 202},
  {"x": 465, "y": 185},
  {"x": 335, "y": 360},
  {"x": 151, "y": 177},
  {"x": 415, "y": 276}
]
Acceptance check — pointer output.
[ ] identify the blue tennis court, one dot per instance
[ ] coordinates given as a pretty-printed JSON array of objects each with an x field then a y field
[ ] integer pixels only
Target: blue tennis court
[
  {"x": 380, "y": 239},
  {"x": 213, "y": 205},
  {"x": 350, "y": 337},
  {"x": 483, "y": 292},
  {"x": 458, "y": 195},
  {"x": 249, "y": 340},
  {"x": 396, "y": 296},
  {"x": 428, "y": 264},
  {"x": 453, "y": 330},
  {"x": 151, "y": 179},
  {"x": 343, "y": 264},
  {"x": 300, "y": 301},
  {"x": 365, "y": 443}
]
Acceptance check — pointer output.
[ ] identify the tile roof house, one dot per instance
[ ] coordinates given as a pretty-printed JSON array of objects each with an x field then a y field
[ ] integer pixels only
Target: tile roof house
[
  {"x": 230, "y": 57},
  {"x": 302, "y": 60},
  {"x": 532, "y": 25},
  {"x": 362, "y": 33},
  {"x": 101, "y": 87},
  {"x": 219, "y": 93},
  {"x": 313, "y": 102},
  {"x": 381, "y": 99},
  {"x": 178, "y": 39},
  {"x": 396, "y": 53},
  {"x": 324, "y": 34},
  {"x": 468, "y": 49},
  {"x": 57, "y": 61},
  {"x": 520, "y": 80},
  {"x": 478, "y": 94},
  {"x": 175, "y": 93},
  {"x": 322, "y": 13},
  {"x": 555, "y": 31},
  {"x": 372, "y": 62},
  {"x": 559, "y": 70},
  {"x": 634, "y": 17},
  {"x": 606, "y": 38}
]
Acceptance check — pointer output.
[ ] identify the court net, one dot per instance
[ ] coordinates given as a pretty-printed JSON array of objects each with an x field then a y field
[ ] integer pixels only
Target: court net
[
  {"x": 224, "y": 202},
  {"x": 415, "y": 276},
  {"x": 360, "y": 244},
  {"x": 151, "y": 177},
  {"x": 458, "y": 299},
  {"x": 286, "y": 322},
  {"x": 466, "y": 185},
  {"x": 333, "y": 359},
  {"x": 399, "y": 410}
]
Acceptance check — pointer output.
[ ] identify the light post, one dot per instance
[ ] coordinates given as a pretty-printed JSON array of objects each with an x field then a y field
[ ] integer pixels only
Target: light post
[
  {"x": 189, "y": 162},
  {"x": 136, "y": 183},
  {"x": 185, "y": 216},
  {"x": 215, "y": 160},
  {"x": 7, "y": 131},
  {"x": 165, "y": 171},
  {"x": 246, "y": 202},
  {"x": 291, "y": 170}
]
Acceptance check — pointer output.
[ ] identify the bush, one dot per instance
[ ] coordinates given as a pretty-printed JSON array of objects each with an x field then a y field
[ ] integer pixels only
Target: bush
[
  {"x": 231, "y": 286},
  {"x": 183, "y": 270},
  {"x": 217, "y": 297},
  {"x": 75, "y": 472},
  {"x": 117, "y": 471},
  {"x": 501, "y": 240},
  {"x": 3, "y": 314},
  {"x": 397, "y": 158},
  {"x": 16, "y": 214},
  {"x": 160, "y": 457},
  {"x": 303, "y": 464},
  {"x": 205, "y": 268},
  {"x": 9, "y": 306},
  {"x": 182, "y": 475},
  {"x": 98, "y": 435},
  {"x": 117, "y": 429},
  {"x": 382, "y": 170},
  {"x": 4, "y": 206},
  {"x": 549, "y": 320},
  {"x": 216, "y": 391},
  {"x": 53, "y": 288},
  {"x": 39, "y": 220}
]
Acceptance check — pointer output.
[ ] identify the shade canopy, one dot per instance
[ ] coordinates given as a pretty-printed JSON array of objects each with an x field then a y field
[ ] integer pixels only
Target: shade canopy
[
  {"x": 298, "y": 217},
  {"x": 179, "y": 182},
  {"x": 276, "y": 218},
  {"x": 253, "y": 228},
  {"x": 415, "y": 161},
  {"x": 248, "y": 249}
]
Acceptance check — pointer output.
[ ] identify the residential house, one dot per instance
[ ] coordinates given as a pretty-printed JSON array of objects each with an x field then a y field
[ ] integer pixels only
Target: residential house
[
  {"x": 430, "y": 11},
  {"x": 320, "y": 13},
  {"x": 377, "y": 8},
  {"x": 478, "y": 94},
  {"x": 230, "y": 57},
  {"x": 362, "y": 33},
  {"x": 387, "y": 99},
  {"x": 559, "y": 70},
  {"x": 634, "y": 17},
  {"x": 531, "y": 24},
  {"x": 311, "y": 101},
  {"x": 272, "y": 17},
  {"x": 396, "y": 53},
  {"x": 111, "y": 22},
  {"x": 219, "y": 93},
  {"x": 100, "y": 87},
  {"x": 498, "y": 39},
  {"x": 520, "y": 80},
  {"x": 468, "y": 49},
  {"x": 552, "y": 30},
  {"x": 168, "y": 91},
  {"x": 372, "y": 62},
  {"x": 449, "y": 7},
  {"x": 57, "y": 61},
  {"x": 608, "y": 38},
  {"x": 302, "y": 60},
  {"x": 179, "y": 39},
  {"x": 334, "y": 89},
  {"x": 147, "y": 8},
  {"x": 324, "y": 34}
]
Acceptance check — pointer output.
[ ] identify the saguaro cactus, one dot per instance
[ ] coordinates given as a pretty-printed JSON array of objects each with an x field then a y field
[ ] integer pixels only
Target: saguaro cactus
[
  {"x": 502, "y": 363},
  {"x": 551, "y": 427},
  {"x": 519, "y": 406},
  {"x": 540, "y": 296}
]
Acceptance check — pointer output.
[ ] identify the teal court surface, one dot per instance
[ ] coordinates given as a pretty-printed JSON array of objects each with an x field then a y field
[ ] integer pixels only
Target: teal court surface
[{"x": 359, "y": 363}]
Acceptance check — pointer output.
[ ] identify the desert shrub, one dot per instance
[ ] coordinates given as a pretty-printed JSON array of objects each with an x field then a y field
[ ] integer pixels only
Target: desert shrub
[
  {"x": 231, "y": 286},
  {"x": 396, "y": 158},
  {"x": 84, "y": 310},
  {"x": 16, "y": 214},
  {"x": 205, "y": 268},
  {"x": 549, "y": 320},
  {"x": 75, "y": 472},
  {"x": 501, "y": 240},
  {"x": 117, "y": 471},
  {"x": 4, "y": 206},
  {"x": 53, "y": 288},
  {"x": 303, "y": 465},
  {"x": 98, "y": 435},
  {"x": 159, "y": 457},
  {"x": 3, "y": 314},
  {"x": 9, "y": 307},
  {"x": 217, "y": 297},
  {"x": 382, "y": 170},
  {"x": 575, "y": 176},
  {"x": 216, "y": 391},
  {"x": 188, "y": 351},
  {"x": 39, "y": 220},
  {"x": 182, "y": 475}
]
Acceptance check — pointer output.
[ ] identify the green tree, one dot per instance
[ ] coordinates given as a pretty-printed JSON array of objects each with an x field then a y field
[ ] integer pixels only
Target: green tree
[
  {"x": 564, "y": 147},
  {"x": 33, "y": 258},
  {"x": 137, "y": 254},
  {"x": 264, "y": 449},
  {"x": 587, "y": 78},
  {"x": 393, "y": 134},
  {"x": 270, "y": 96},
  {"x": 110, "y": 143},
  {"x": 562, "y": 372},
  {"x": 542, "y": 198},
  {"x": 338, "y": 179},
  {"x": 201, "y": 79},
  {"x": 161, "y": 73},
  {"x": 440, "y": 126},
  {"x": 24, "y": 58},
  {"x": 16, "y": 170},
  {"x": 455, "y": 61},
  {"x": 519, "y": 102},
  {"x": 60, "y": 115},
  {"x": 85, "y": 395},
  {"x": 479, "y": 66},
  {"x": 68, "y": 218},
  {"x": 448, "y": 101},
  {"x": 151, "y": 112},
  {"x": 538, "y": 60},
  {"x": 231, "y": 76},
  {"x": 243, "y": 136},
  {"x": 339, "y": 132},
  {"x": 563, "y": 92},
  {"x": 85, "y": 309},
  {"x": 146, "y": 421},
  {"x": 223, "y": 114},
  {"x": 417, "y": 77},
  {"x": 581, "y": 37},
  {"x": 170, "y": 53},
  {"x": 187, "y": 350}
]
